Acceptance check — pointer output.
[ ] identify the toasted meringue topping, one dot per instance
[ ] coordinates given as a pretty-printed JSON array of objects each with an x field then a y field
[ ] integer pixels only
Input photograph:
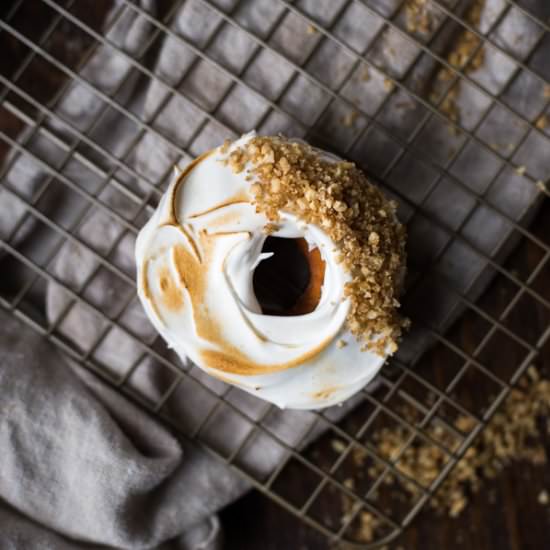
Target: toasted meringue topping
[{"x": 196, "y": 258}]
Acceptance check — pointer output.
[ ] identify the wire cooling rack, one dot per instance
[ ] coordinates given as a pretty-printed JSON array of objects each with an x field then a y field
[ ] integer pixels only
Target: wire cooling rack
[{"x": 51, "y": 43}]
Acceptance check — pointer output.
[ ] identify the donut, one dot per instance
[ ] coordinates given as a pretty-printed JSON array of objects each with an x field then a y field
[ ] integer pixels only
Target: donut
[{"x": 275, "y": 267}]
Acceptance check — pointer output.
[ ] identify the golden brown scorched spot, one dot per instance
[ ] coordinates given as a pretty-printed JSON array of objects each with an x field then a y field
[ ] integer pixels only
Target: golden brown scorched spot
[
  {"x": 171, "y": 294},
  {"x": 239, "y": 198},
  {"x": 325, "y": 394},
  {"x": 232, "y": 360},
  {"x": 172, "y": 217}
]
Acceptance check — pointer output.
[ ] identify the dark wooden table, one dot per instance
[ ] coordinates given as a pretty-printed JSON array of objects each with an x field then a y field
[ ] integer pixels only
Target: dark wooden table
[{"x": 505, "y": 515}]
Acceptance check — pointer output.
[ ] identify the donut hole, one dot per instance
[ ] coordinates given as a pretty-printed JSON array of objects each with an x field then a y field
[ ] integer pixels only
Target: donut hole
[{"x": 290, "y": 281}]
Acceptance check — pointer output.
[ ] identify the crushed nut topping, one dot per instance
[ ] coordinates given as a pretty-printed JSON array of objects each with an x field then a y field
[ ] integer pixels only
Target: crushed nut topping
[
  {"x": 270, "y": 228},
  {"x": 337, "y": 197}
]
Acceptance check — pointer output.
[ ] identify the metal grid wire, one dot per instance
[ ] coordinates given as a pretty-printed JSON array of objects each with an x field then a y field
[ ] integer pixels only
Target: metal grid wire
[{"x": 427, "y": 400}]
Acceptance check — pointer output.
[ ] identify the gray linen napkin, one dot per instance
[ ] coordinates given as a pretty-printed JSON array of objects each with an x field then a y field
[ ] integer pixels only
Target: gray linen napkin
[
  {"x": 90, "y": 466},
  {"x": 152, "y": 489}
]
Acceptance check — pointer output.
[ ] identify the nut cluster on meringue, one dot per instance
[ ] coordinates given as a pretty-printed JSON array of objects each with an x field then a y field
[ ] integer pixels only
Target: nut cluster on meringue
[
  {"x": 198, "y": 254},
  {"x": 336, "y": 196}
]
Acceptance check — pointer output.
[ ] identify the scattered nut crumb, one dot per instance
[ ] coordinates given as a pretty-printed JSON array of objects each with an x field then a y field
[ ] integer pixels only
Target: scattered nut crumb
[
  {"x": 542, "y": 187},
  {"x": 311, "y": 29},
  {"x": 349, "y": 483},
  {"x": 366, "y": 75},
  {"x": 542, "y": 122},
  {"x": 349, "y": 119},
  {"x": 533, "y": 373},
  {"x": 349, "y": 509},
  {"x": 513, "y": 434},
  {"x": 461, "y": 58},
  {"x": 368, "y": 524},
  {"x": 341, "y": 344},
  {"x": 449, "y": 105},
  {"x": 338, "y": 446},
  {"x": 389, "y": 85},
  {"x": 520, "y": 170},
  {"x": 418, "y": 16},
  {"x": 546, "y": 91}
]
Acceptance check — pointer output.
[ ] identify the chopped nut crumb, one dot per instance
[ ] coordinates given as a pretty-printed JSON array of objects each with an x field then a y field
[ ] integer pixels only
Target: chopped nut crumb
[
  {"x": 461, "y": 58},
  {"x": 348, "y": 120},
  {"x": 389, "y": 85},
  {"x": 311, "y": 29},
  {"x": 349, "y": 483},
  {"x": 293, "y": 177},
  {"x": 457, "y": 504},
  {"x": 542, "y": 122},
  {"x": 338, "y": 446},
  {"x": 225, "y": 147},
  {"x": 449, "y": 105},
  {"x": 367, "y": 526},
  {"x": 365, "y": 77},
  {"x": 270, "y": 228},
  {"x": 546, "y": 91},
  {"x": 513, "y": 434},
  {"x": 520, "y": 170},
  {"x": 542, "y": 187},
  {"x": 533, "y": 373},
  {"x": 418, "y": 16},
  {"x": 285, "y": 166},
  {"x": 367, "y": 523},
  {"x": 341, "y": 344}
]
